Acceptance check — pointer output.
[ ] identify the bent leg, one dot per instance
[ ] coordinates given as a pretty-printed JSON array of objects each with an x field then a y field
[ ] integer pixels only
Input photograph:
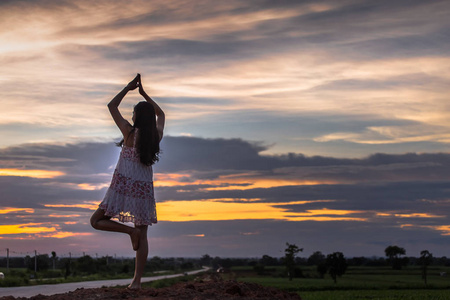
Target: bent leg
[
  {"x": 141, "y": 258},
  {"x": 101, "y": 222}
]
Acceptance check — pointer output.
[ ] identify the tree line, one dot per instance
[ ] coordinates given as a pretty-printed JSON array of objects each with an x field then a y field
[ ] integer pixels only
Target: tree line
[
  {"x": 51, "y": 266},
  {"x": 335, "y": 264}
]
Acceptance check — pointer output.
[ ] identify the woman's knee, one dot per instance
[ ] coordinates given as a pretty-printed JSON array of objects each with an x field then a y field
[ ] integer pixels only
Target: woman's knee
[
  {"x": 96, "y": 216},
  {"x": 94, "y": 221}
]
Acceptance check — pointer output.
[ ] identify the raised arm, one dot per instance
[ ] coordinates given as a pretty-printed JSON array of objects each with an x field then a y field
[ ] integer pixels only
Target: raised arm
[
  {"x": 113, "y": 107},
  {"x": 160, "y": 117}
]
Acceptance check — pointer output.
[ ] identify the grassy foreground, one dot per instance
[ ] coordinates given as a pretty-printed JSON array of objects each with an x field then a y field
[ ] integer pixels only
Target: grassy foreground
[
  {"x": 24, "y": 277},
  {"x": 357, "y": 283}
]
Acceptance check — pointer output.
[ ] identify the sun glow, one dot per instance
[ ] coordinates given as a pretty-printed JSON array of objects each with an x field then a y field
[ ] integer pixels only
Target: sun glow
[{"x": 181, "y": 211}]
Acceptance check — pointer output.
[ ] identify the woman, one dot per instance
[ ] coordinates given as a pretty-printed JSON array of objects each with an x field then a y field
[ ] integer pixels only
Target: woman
[{"x": 130, "y": 196}]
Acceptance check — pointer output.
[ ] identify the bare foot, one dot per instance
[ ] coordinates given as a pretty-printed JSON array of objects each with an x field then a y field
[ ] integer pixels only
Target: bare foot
[
  {"x": 135, "y": 236},
  {"x": 134, "y": 286}
]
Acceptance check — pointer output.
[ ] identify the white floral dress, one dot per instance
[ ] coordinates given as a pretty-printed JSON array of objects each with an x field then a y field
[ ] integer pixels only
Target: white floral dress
[{"x": 130, "y": 197}]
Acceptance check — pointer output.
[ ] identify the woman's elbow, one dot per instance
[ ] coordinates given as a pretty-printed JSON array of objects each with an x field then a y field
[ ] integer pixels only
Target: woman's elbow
[{"x": 112, "y": 106}]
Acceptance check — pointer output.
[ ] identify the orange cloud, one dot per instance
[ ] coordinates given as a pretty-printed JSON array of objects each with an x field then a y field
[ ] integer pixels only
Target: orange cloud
[
  {"x": 179, "y": 211},
  {"x": 25, "y": 228},
  {"x": 444, "y": 229},
  {"x": 242, "y": 181},
  {"x": 8, "y": 210},
  {"x": 63, "y": 216},
  {"x": 30, "y": 173},
  {"x": 88, "y": 206},
  {"x": 92, "y": 187},
  {"x": 418, "y": 215},
  {"x": 31, "y": 231},
  {"x": 410, "y": 215},
  {"x": 63, "y": 234}
]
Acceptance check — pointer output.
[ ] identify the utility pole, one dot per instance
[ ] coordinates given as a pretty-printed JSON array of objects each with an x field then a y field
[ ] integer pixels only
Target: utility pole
[
  {"x": 7, "y": 259},
  {"x": 35, "y": 261}
]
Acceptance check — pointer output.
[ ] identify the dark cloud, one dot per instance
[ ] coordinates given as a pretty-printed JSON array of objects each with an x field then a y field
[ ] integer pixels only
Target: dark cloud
[
  {"x": 22, "y": 192},
  {"x": 381, "y": 183},
  {"x": 229, "y": 156},
  {"x": 193, "y": 153},
  {"x": 83, "y": 158}
]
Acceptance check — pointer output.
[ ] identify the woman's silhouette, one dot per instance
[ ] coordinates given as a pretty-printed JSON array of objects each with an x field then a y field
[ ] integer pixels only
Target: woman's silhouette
[{"x": 130, "y": 196}]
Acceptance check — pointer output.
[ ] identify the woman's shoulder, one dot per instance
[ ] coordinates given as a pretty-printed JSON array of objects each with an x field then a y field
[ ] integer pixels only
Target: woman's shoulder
[{"x": 130, "y": 139}]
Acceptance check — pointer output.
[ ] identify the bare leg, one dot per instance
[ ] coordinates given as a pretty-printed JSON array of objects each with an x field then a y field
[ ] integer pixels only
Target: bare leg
[
  {"x": 101, "y": 222},
  {"x": 141, "y": 258}
]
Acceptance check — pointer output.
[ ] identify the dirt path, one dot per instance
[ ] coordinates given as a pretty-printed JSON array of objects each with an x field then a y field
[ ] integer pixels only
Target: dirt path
[
  {"x": 52, "y": 289},
  {"x": 209, "y": 286}
]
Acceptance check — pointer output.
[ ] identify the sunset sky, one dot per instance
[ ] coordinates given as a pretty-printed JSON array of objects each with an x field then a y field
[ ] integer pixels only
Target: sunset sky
[{"x": 320, "y": 123}]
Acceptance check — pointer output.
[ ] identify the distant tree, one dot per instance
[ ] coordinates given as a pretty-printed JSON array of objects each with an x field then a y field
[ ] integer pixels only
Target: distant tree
[
  {"x": 336, "y": 264},
  {"x": 393, "y": 253},
  {"x": 289, "y": 257},
  {"x": 425, "y": 260},
  {"x": 316, "y": 258},
  {"x": 267, "y": 260},
  {"x": 205, "y": 260},
  {"x": 155, "y": 263},
  {"x": 443, "y": 261},
  {"x": 42, "y": 262},
  {"x": 216, "y": 262},
  {"x": 358, "y": 261},
  {"x": 85, "y": 264},
  {"x": 187, "y": 265}
]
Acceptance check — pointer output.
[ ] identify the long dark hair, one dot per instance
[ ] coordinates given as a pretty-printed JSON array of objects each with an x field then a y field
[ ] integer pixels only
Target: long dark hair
[{"x": 148, "y": 136}]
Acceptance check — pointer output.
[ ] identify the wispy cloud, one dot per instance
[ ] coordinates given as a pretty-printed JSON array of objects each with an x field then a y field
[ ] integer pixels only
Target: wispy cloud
[{"x": 382, "y": 61}]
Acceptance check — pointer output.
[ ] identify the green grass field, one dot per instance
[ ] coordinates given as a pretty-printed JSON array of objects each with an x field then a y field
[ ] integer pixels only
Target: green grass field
[
  {"x": 356, "y": 283},
  {"x": 377, "y": 295}
]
